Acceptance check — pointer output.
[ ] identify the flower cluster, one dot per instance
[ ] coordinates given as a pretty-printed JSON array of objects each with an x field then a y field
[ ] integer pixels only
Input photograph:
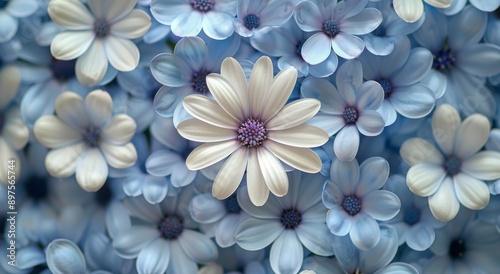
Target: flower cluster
[{"x": 249, "y": 136}]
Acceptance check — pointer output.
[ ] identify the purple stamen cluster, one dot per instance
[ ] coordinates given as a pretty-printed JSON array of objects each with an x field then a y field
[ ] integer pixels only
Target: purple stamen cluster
[
  {"x": 290, "y": 218},
  {"x": 444, "y": 59},
  {"x": 352, "y": 205},
  {"x": 203, "y": 5},
  {"x": 350, "y": 115},
  {"x": 101, "y": 28},
  {"x": 252, "y": 133},
  {"x": 252, "y": 21},
  {"x": 386, "y": 86},
  {"x": 199, "y": 81},
  {"x": 171, "y": 227},
  {"x": 92, "y": 136},
  {"x": 331, "y": 28}
]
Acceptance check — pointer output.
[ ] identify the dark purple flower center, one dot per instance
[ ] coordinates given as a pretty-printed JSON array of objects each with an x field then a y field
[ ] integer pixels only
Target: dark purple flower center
[
  {"x": 443, "y": 59},
  {"x": 252, "y": 133},
  {"x": 386, "y": 86},
  {"x": 457, "y": 249},
  {"x": 352, "y": 205},
  {"x": 291, "y": 218},
  {"x": 171, "y": 227},
  {"x": 92, "y": 136},
  {"x": 251, "y": 21},
  {"x": 350, "y": 115},
  {"x": 199, "y": 81},
  {"x": 331, "y": 28},
  {"x": 203, "y": 5},
  {"x": 232, "y": 205},
  {"x": 452, "y": 166},
  {"x": 101, "y": 28},
  {"x": 412, "y": 215},
  {"x": 62, "y": 70}
]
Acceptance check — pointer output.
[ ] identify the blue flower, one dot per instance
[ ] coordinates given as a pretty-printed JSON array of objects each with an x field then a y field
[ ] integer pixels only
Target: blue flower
[
  {"x": 260, "y": 16},
  {"x": 355, "y": 202}
]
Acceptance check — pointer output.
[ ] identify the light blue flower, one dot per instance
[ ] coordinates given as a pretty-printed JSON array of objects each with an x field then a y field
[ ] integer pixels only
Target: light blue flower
[
  {"x": 335, "y": 26},
  {"x": 348, "y": 110},
  {"x": 399, "y": 74},
  {"x": 355, "y": 202},
  {"x": 236, "y": 260},
  {"x": 10, "y": 11},
  {"x": 99, "y": 255},
  {"x": 189, "y": 17},
  {"x": 260, "y": 16},
  {"x": 288, "y": 223}
]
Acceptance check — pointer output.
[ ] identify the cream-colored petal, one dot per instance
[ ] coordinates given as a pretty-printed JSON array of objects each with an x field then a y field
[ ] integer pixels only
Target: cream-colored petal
[
  {"x": 294, "y": 114},
  {"x": 229, "y": 176},
  {"x": 119, "y": 156},
  {"x": 112, "y": 10},
  {"x": 419, "y": 151},
  {"x": 10, "y": 80},
  {"x": 409, "y": 10},
  {"x": 257, "y": 188},
  {"x": 226, "y": 96},
  {"x": 92, "y": 170},
  {"x": 92, "y": 65},
  {"x": 70, "y": 14},
  {"x": 442, "y": 4},
  {"x": 210, "y": 153},
  {"x": 199, "y": 131},
  {"x": 444, "y": 204},
  {"x": 70, "y": 108},
  {"x": 122, "y": 54},
  {"x": 52, "y": 132},
  {"x": 425, "y": 179},
  {"x": 99, "y": 107},
  {"x": 15, "y": 131},
  {"x": 207, "y": 110},
  {"x": 68, "y": 45},
  {"x": 280, "y": 91},
  {"x": 120, "y": 131},
  {"x": 261, "y": 78},
  {"x": 471, "y": 193},
  {"x": 132, "y": 26},
  {"x": 62, "y": 162},
  {"x": 303, "y": 159},
  {"x": 8, "y": 154},
  {"x": 472, "y": 135},
  {"x": 485, "y": 165},
  {"x": 299, "y": 136},
  {"x": 445, "y": 123},
  {"x": 233, "y": 72},
  {"x": 273, "y": 172}
]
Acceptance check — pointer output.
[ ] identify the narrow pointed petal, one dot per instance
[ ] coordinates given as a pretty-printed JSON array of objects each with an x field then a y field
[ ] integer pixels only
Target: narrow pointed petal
[
  {"x": 273, "y": 172},
  {"x": 209, "y": 154},
  {"x": 299, "y": 136},
  {"x": 261, "y": 79},
  {"x": 207, "y": 110},
  {"x": 294, "y": 114},
  {"x": 232, "y": 71},
  {"x": 279, "y": 93},
  {"x": 257, "y": 188},
  {"x": 229, "y": 177},
  {"x": 346, "y": 143},
  {"x": 302, "y": 159},
  {"x": 199, "y": 131},
  {"x": 226, "y": 96}
]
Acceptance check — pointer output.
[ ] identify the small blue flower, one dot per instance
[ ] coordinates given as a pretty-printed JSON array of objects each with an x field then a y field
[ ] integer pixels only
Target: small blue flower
[{"x": 260, "y": 16}]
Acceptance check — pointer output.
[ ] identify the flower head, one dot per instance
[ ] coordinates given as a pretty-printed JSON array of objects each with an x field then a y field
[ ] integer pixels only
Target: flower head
[{"x": 250, "y": 123}]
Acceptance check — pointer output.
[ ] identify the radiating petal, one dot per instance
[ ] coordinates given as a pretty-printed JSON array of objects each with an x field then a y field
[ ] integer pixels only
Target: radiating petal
[
  {"x": 54, "y": 133},
  {"x": 484, "y": 165},
  {"x": 480, "y": 59},
  {"x": 471, "y": 192},
  {"x": 92, "y": 170},
  {"x": 112, "y": 10},
  {"x": 68, "y": 45},
  {"x": 62, "y": 162},
  {"x": 413, "y": 102},
  {"x": 409, "y": 10},
  {"x": 425, "y": 179},
  {"x": 205, "y": 209},
  {"x": 316, "y": 49},
  {"x": 122, "y": 54},
  {"x": 331, "y": 124},
  {"x": 70, "y": 108},
  {"x": 171, "y": 70},
  {"x": 444, "y": 204},
  {"x": 120, "y": 131},
  {"x": 420, "y": 237},
  {"x": 325, "y": 92},
  {"x": 471, "y": 31},
  {"x": 345, "y": 175},
  {"x": 347, "y": 46},
  {"x": 71, "y": 14},
  {"x": 187, "y": 24},
  {"x": 370, "y": 96},
  {"x": 64, "y": 256},
  {"x": 133, "y": 26},
  {"x": 286, "y": 253},
  {"x": 257, "y": 188},
  {"x": 445, "y": 124},
  {"x": 472, "y": 135},
  {"x": 207, "y": 110},
  {"x": 229, "y": 176},
  {"x": 261, "y": 78},
  {"x": 294, "y": 114},
  {"x": 92, "y": 65},
  {"x": 273, "y": 172},
  {"x": 210, "y": 153},
  {"x": 419, "y": 63},
  {"x": 365, "y": 232},
  {"x": 129, "y": 242},
  {"x": 215, "y": 25},
  {"x": 197, "y": 246},
  {"x": 255, "y": 234},
  {"x": 199, "y": 131},
  {"x": 119, "y": 156},
  {"x": 381, "y": 205},
  {"x": 227, "y": 97},
  {"x": 370, "y": 123},
  {"x": 373, "y": 174},
  {"x": 308, "y": 16},
  {"x": 299, "y": 136},
  {"x": 224, "y": 231},
  {"x": 362, "y": 23},
  {"x": 346, "y": 143},
  {"x": 349, "y": 78},
  {"x": 279, "y": 93},
  {"x": 338, "y": 221},
  {"x": 419, "y": 151},
  {"x": 154, "y": 258},
  {"x": 302, "y": 159},
  {"x": 99, "y": 107},
  {"x": 312, "y": 237}
]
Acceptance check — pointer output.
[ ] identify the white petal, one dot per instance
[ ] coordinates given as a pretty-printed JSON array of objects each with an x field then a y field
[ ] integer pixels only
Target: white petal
[
  {"x": 302, "y": 159},
  {"x": 471, "y": 192},
  {"x": 10, "y": 77},
  {"x": 445, "y": 123},
  {"x": 233, "y": 72},
  {"x": 121, "y": 53},
  {"x": 316, "y": 49},
  {"x": 229, "y": 176},
  {"x": 129, "y": 242},
  {"x": 261, "y": 79},
  {"x": 199, "y": 131},
  {"x": 485, "y": 165},
  {"x": 120, "y": 131},
  {"x": 197, "y": 246},
  {"x": 226, "y": 96},
  {"x": 409, "y": 10},
  {"x": 419, "y": 151},
  {"x": 286, "y": 253},
  {"x": 68, "y": 45},
  {"x": 63, "y": 256},
  {"x": 346, "y": 143},
  {"x": 62, "y": 162},
  {"x": 299, "y": 136},
  {"x": 119, "y": 156},
  {"x": 154, "y": 258},
  {"x": 15, "y": 131},
  {"x": 99, "y": 107},
  {"x": 207, "y": 110},
  {"x": 442, "y": 4},
  {"x": 210, "y": 153},
  {"x": 92, "y": 65},
  {"x": 54, "y": 133},
  {"x": 444, "y": 204},
  {"x": 472, "y": 135},
  {"x": 70, "y": 14},
  {"x": 273, "y": 172},
  {"x": 257, "y": 188},
  {"x": 279, "y": 93},
  {"x": 92, "y": 170},
  {"x": 294, "y": 114},
  {"x": 370, "y": 123},
  {"x": 133, "y": 26},
  {"x": 69, "y": 108},
  {"x": 425, "y": 179}
]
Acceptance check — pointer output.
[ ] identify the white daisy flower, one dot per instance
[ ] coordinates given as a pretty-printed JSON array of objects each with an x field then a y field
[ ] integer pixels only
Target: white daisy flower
[
  {"x": 98, "y": 36},
  {"x": 411, "y": 10},
  {"x": 250, "y": 123},
  {"x": 85, "y": 138},
  {"x": 456, "y": 174}
]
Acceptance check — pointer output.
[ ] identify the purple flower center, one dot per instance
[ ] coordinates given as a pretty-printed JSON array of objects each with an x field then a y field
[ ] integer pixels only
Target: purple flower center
[
  {"x": 101, "y": 28},
  {"x": 387, "y": 86},
  {"x": 352, "y": 205},
  {"x": 412, "y": 215},
  {"x": 457, "y": 249},
  {"x": 331, "y": 28},
  {"x": 203, "y": 5},
  {"x": 199, "y": 81},
  {"x": 290, "y": 218},
  {"x": 232, "y": 205},
  {"x": 171, "y": 227},
  {"x": 444, "y": 59},
  {"x": 350, "y": 115},
  {"x": 452, "y": 166},
  {"x": 252, "y": 21},
  {"x": 252, "y": 133},
  {"x": 92, "y": 136}
]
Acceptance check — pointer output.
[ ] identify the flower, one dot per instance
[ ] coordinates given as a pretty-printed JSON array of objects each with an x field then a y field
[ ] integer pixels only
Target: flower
[
  {"x": 254, "y": 16},
  {"x": 412, "y": 10},
  {"x": 355, "y": 201},
  {"x": 85, "y": 138},
  {"x": 251, "y": 124},
  {"x": 9, "y": 12},
  {"x": 455, "y": 175},
  {"x": 98, "y": 36}
]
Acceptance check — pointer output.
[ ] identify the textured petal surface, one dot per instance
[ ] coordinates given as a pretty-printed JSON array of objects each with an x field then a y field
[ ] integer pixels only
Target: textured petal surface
[
  {"x": 286, "y": 253},
  {"x": 92, "y": 170},
  {"x": 444, "y": 203},
  {"x": 471, "y": 193},
  {"x": 273, "y": 172},
  {"x": 230, "y": 175},
  {"x": 425, "y": 179}
]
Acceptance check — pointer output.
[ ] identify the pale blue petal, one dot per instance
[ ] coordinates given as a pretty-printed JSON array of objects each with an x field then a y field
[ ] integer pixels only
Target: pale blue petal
[
  {"x": 420, "y": 237},
  {"x": 455, "y": 7},
  {"x": 218, "y": 26},
  {"x": 163, "y": 130},
  {"x": 365, "y": 232},
  {"x": 29, "y": 257},
  {"x": 332, "y": 195},
  {"x": 140, "y": 208},
  {"x": 388, "y": 113},
  {"x": 325, "y": 92},
  {"x": 313, "y": 236},
  {"x": 167, "y": 99},
  {"x": 298, "y": 63},
  {"x": 417, "y": 66},
  {"x": 349, "y": 8},
  {"x": 162, "y": 162},
  {"x": 255, "y": 234},
  {"x": 187, "y": 24},
  {"x": 154, "y": 258},
  {"x": 276, "y": 13},
  {"x": 370, "y": 123},
  {"x": 346, "y": 253},
  {"x": 224, "y": 231},
  {"x": 316, "y": 48},
  {"x": 325, "y": 68},
  {"x": 338, "y": 221},
  {"x": 487, "y": 6},
  {"x": 182, "y": 176},
  {"x": 179, "y": 261},
  {"x": 277, "y": 42},
  {"x": 308, "y": 16},
  {"x": 165, "y": 12},
  {"x": 437, "y": 82},
  {"x": 171, "y": 70},
  {"x": 345, "y": 175},
  {"x": 64, "y": 256},
  {"x": 347, "y": 46},
  {"x": 117, "y": 219},
  {"x": 433, "y": 31},
  {"x": 413, "y": 102},
  {"x": 156, "y": 33},
  {"x": 381, "y": 205},
  {"x": 154, "y": 189},
  {"x": 479, "y": 59},
  {"x": 379, "y": 45},
  {"x": 373, "y": 174},
  {"x": 193, "y": 51},
  {"x": 71, "y": 223},
  {"x": 369, "y": 96},
  {"x": 22, "y": 8},
  {"x": 8, "y": 26},
  {"x": 471, "y": 24},
  {"x": 382, "y": 253},
  {"x": 272, "y": 210},
  {"x": 286, "y": 253},
  {"x": 204, "y": 208},
  {"x": 39, "y": 100},
  {"x": 348, "y": 79},
  {"x": 362, "y": 23},
  {"x": 129, "y": 242},
  {"x": 132, "y": 185},
  {"x": 197, "y": 246},
  {"x": 397, "y": 268}
]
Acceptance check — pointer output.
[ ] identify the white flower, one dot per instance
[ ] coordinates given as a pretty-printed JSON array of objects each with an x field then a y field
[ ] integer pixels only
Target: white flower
[
  {"x": 85, "y": 138},
  {"x": 251, "y": 124},
  {"x": 98, "y": 36},
  {"x": 455, "y": 175},
  {"x": 13, "y": 131},
  {"x": 411, "y": 10}
]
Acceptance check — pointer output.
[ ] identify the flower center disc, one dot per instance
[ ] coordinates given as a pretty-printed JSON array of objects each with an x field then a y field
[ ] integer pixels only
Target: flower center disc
[
  {"x": 452, "y": 166},
  {"x": 290, "y": 218},
  {"x": 331, "y": 28},
  {"x": 199, "y": 81},
  {"x": 443, "y": 60},
  {"x": 412, "y": 215},
  {"x": 101, "y": 28},
  {"x": 252, "y": 133},
  {"x": 350, "y": 115},
  {"x": 92, "y": 136},
  {"x": 203, "y": 5},
  {"x": 352, "y": 205},
  {"x": 171, "y": 227},
  {"x": 252, "y": 21}
]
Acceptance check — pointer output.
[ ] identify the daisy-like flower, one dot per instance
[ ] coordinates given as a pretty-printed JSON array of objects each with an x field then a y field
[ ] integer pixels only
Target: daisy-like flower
[
  {"x": 85, "y": 138},
  {"x": 411, "y": 10},
  {"x": 254, "y": 16},
  {"x": 98, "y": 36},
  {"x": 455, "y": 175},
  {"x": 250, "y": 123}
]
